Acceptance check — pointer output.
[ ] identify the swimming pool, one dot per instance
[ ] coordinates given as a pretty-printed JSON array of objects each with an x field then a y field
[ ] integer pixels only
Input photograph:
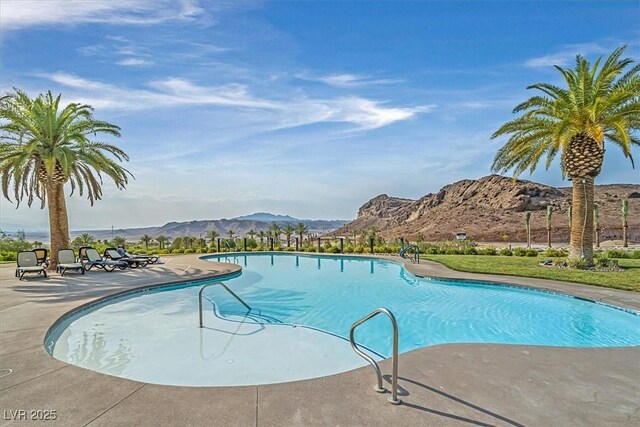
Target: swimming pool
[{"x": 302, "y": 309}]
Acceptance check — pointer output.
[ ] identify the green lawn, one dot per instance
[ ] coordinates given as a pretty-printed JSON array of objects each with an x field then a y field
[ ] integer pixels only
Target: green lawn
[{"x": 528, "y": 267}]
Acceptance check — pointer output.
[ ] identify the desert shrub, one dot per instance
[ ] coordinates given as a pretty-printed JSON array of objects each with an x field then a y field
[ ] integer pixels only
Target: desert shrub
[
  {"x": 333, "y": 250},
  {"x": 201, "y": 251},
  {"x": 176, "y": 251},
  {"x": 579, "y": 263},
  {"x": 432, "y": 251},
  {"x": 506, "y": 252},
  {"x": 470, "y": 251},
  {"x": 163, "y": 251},
  {"x": 487, "y": 251},
  {"x": 189, "y": 251},
  {"x": 8, "y": 256},
  {"x": 358, "y": 249},
  {"x": 153, "y": 251},
  {"x": 289, "y": 249},
  {"x": 554, "y": 253},
  {"x": 451, "y": 251},
  {"x": 616, "y": 253},
  {"x": 531, "y": 252},
  {"x": 348, "y": 249},
  {"x": 310, "y": 249},
  {"x": 520, "y": 252}
]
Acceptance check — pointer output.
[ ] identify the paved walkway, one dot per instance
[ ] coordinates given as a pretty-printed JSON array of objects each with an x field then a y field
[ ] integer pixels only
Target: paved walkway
[{"x": 455, "y": 385}]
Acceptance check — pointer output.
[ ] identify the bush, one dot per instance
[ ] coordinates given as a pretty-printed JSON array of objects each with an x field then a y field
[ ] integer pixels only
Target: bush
[
  {"x": 289, "y": 249},
  {"x": 163, "y": 251},
  {"x": 506, "y": 252},
  {"x": 177, "y": 251},
  {"x": 348, "y": 249},
  {"x": 358, "y": 249},
  {"x": 578, "y": 263},
  {"x": 333, "y": 250},
  {"x": 531, "y": 252},
  {"x": 469, "y": 251},
  {"x": 520, "y": 252},
  {"x": 554, "y": 253},
  {"x": 487, "y": 251},
  {"x": 616, "y": 253},
  {"x": 432, "y": 251},
  {"x": 201, "y": 251},
  {"x": 635, "y": 255}
]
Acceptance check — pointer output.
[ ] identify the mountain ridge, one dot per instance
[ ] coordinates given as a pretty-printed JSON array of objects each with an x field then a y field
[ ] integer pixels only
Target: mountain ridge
[{"x": 492, "y": 207}]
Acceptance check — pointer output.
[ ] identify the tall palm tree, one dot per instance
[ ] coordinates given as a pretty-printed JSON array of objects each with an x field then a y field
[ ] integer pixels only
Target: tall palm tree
[
  {"x": 276, "y": 231},
  {"x": 251, "y": 233},
  {"x": 146, "y": 239},
  {"x": 162, "y": 239},
  {"x": 549, "y": 214},
  {"x": 43, "y": 147},
  {"x": 288, "y": 230},
  {"x": 600, "y": 104},
  {"x": 84, "y": 239},
  {"x": 596, "y": 223},
  {"x": 527, "y": 224},
  {"x": 625, "y": 224},
  {"x": 301, "y": 229},
  {"x": 262, "y": 235}
]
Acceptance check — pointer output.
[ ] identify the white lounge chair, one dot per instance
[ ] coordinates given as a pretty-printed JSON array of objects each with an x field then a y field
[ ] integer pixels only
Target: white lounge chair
[
  {"x": 28, "y": 263},
  {"x": 67, "y": 261}
]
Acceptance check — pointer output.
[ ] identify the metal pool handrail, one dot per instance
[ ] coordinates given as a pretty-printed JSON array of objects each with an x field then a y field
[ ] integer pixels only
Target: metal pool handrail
[
  {"x": 394, "y": 379},
  {"x": 224, "y": 286}
]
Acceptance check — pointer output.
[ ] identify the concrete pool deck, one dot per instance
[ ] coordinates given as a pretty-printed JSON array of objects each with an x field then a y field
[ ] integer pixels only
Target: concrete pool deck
[{"x": 504, "y": 385}]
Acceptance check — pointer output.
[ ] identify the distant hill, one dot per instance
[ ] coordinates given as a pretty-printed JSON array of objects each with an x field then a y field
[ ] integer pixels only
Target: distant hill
[
  {"x": 240, "y": 226},
  {"x": 268, "y": 217},
  {"x": 488, "y": 208}
]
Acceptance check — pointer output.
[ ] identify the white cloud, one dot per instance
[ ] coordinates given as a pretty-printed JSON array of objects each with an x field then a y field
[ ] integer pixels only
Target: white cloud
[
  {"x": 347, "y": 80},
  {"x": 134, "y": 62},
  {"x": 18, "y": 14},
  {"x": 296, "y": 111},
  {"x": 567, "y": 54}
]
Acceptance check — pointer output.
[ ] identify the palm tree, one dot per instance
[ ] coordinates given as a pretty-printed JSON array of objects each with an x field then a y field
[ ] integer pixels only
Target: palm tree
[
  {"x": 600, "y": 104},
  {"x": 85, "y": 239},
  {"x": 118, "y": 241},
  {"x": 162, "y": 239},
  {"x": 301, "y": 229},
  {"x": 548, "y": 218},
  {"x": 43, "y": 147},
  {"x": 146, "y": 239},
  {"x": 251, "y": 233},
  {"x": 231, "y": 233},
  {"x": 276, "y": 230},
  {"x": 212, "y": 235},
  {"x": 625, "y": 224},
  {"x": 262, "y": 235},
  {"x": 596, "y": 223},
  {"x": 527, "y": 224},
  {"x": 288, "y": 230}
]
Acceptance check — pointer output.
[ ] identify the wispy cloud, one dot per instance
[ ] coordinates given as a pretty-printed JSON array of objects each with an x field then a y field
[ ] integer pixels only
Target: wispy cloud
[
  {"x": 566, "y": 54},
  {"x": 295, "y": 111},
  {"x": 18, "y": 14},
  {"x": 134, "y": 62},
  {"x": 346, "y": 80}
]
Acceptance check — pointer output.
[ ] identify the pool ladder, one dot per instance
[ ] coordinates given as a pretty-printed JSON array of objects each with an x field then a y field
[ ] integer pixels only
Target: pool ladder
[
  {"x": 394, "y": 379},
  {"x": 233, "y": 294}
]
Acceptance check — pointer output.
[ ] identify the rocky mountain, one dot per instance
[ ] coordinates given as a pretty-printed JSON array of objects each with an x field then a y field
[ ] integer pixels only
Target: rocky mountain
[{"x": 490, "y": 208}]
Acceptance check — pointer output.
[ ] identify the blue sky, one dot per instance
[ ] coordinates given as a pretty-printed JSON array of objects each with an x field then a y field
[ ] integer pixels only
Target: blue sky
[{"x": 304, "y": 108}]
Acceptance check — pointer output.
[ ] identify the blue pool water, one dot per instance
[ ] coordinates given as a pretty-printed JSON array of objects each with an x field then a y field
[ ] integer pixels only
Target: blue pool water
[
  {"x": 330, "y": 294},
  {"x": 153, "y": 336}
]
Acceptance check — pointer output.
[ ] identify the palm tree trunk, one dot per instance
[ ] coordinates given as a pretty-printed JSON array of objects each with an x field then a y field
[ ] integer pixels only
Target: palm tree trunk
[
  {"x": 581, "y": 243},
  {"x": 625, "y": 241},
  {"x": 549, "y": 237},
  {"x": 58, "y": 221}
]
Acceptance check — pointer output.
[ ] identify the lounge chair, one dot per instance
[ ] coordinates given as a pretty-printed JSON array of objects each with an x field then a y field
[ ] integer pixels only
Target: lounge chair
[
  {"x": 67, "y": 261},
  {"x": 27, "y": 262},
  {"x": 42, "y": 255},
  {"x": 152, "y": 259},
  {"x": 89, "y": 257},
  {"x": 133, "y": 262}
]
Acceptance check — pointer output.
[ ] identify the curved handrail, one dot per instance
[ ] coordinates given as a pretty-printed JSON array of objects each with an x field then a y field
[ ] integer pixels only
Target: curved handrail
[
  {"x": 228, "y": 290},
  {"x": 416, "y": 257},
  {"x": 394, "y": 379}
]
